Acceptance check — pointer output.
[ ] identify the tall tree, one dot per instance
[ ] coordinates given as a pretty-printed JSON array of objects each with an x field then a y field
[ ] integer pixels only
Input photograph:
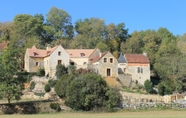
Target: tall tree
[
  {"x": 59, "y": 23},
  {"x": 11, "y": 76}
]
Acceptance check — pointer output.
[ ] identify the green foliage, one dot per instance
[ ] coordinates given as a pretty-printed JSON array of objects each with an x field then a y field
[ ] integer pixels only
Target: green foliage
[
  {"x": 61, "y": 70},
  {"x": 47, "y": 88},
  {"x": 59, "y": 23},
  {"x": 52, "y": 82},
  {"x": 164, "y": 88},
  {"x": 11, "y": 74},
  {"x": 148, "y": 86},
  {"x": 32, "y": 85},
  {"x": 55, "y": 106},
  {"x": 102, "y": 47},
  {"x": 112, "y": 99},
  {"x": 62, "y": 84},
  {"x": 39, "y": 94},
  {"x": 40, "y": 72},
  {"x": 71, "y": 69}
]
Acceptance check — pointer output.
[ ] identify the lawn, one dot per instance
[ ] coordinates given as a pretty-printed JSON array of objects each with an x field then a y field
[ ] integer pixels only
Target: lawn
[{"x": 123, "y": 114}]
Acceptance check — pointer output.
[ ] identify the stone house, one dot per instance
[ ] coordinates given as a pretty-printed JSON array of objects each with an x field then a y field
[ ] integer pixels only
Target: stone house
[
  {"x": 80, "y": 57},
  {"x": 105, "y": 64},
  {"x": 47, "y": 59},
  {"x": 136, "y": 65}
]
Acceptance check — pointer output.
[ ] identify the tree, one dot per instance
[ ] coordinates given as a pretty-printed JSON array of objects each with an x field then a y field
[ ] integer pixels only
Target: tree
[
  {"x": 62, "y": 84},
  {"x": 148, "y": 86},
  {"x": 61, "y": 70},
  {"x": 86, "y": 92},
  {"x": 102, "y": 46},
  {"x": 89, "y": 32},
  {"x": 11, "y": 79},
  {"x": 59, "y": 23}
]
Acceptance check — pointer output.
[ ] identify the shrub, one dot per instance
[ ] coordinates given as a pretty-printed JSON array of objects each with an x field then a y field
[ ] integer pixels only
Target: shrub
[
  {"x": 39, "y": 94},
  {"x": 47, "y": 88},
  {"x": 55, "y": 106},
  {"x": 52, "y": 82},
  {"x": 32, "y": 85},
  {"x": 62, "y": 84},
  {"x": 60, "y": 71},
  {"x": 41, "y": 72},
  {"x": 148, "y": 86}
]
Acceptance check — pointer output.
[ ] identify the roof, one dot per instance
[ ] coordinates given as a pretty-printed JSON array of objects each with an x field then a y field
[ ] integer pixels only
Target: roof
[
  {"x": 136, "y": 58},
  {"x": 34, "y": 52},
  {"x": 3, "y": 45},
  {"x": 98, "y": 57},
  {"x": 121, "y": 59},
  {"x": 74, "y": 53}
]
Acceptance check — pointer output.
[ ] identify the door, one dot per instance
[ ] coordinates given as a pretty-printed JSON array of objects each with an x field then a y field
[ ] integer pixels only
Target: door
[{"x": 108, "y": 72}]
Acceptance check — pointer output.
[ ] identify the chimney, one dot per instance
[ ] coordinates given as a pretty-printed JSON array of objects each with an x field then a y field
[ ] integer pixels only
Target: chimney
[
  {"x": 48, "y": 47},
  {"x": 144, "y": 53},
  {"x": 100, "y": 54}
]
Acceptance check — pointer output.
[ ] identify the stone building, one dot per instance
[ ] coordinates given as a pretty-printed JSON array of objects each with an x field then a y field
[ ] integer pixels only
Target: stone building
[
  {"x": 47, "y": 59},
  {"x": 104, "y": 64},
  {"x": 137, "y": 65}
]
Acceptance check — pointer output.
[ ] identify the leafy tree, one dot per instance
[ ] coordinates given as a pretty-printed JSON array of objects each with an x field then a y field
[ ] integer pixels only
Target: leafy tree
[
  {"x": 86, "y": 92},
  {"x": 61, "y": 70},
  {"x": 62, "y": 84},
  {"x": 11, "y": 80},
  {"x": 148, "y": 86},
  {"x": 59, "y": 23},
  {"x": 112, "y": 99},
  {"x": 102, "y": 46},
  {"x": 47, "y": 88}
]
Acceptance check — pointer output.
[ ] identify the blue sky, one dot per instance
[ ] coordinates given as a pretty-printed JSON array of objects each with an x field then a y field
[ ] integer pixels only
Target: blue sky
[{"x": 136, "y": 14}]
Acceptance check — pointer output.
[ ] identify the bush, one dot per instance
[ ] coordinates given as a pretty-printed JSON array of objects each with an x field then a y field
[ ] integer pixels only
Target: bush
[
  {"x": 60, "y": 71},
  {"x": 62, "y": 84},
  {"x": 52, "y": 82},
  {"x": 90, "y": 91},
  {"x": 32, "y": 85},
  {"x": 164, "y": 89},
  {"x": 55, "y": 106},
  {"x": 41, "y": 72},
  {"x": 47, "y": 88},
  {"x": 148, "y": 86}
]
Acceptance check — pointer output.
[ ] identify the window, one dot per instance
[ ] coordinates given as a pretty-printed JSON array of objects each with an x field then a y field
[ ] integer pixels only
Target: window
[
  {"x": 138, "y": 69},
  {"x": 84, "y": 63},
  {"x": 35, "y": 54},
  {"x": 108, "y": 72},
  {"x": 59, "y": 53},
  {"x": 59, "y": 62},
  {"x": 141, "y": 70},
  {"x": 105, "y": 60},
  {"x": 71, "y": 63},
  {"x": 37, "y": 63},
  {"x": 82, "y": 54},
  {"x": 111, "y": 60}
]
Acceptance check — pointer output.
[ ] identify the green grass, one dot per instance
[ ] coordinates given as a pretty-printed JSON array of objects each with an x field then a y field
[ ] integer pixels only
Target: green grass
[{"x": 123, "y": 114}]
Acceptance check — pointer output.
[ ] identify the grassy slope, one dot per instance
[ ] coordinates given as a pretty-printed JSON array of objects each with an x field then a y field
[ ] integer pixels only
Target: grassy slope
[{"x": 124, "y": 114}]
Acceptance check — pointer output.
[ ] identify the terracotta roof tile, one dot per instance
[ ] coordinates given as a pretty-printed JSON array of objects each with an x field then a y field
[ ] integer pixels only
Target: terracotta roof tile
[
  {"x": 97, "y": 58},
  {"x": 79, "y": 52},
  {"x": 3, "y": 45},
  {"x": 34, "y": 52},
  {"x": 136, "y": 58}
]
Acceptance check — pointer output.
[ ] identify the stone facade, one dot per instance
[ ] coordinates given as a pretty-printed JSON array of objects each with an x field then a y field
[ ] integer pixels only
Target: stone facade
[
  {"x": 105, "y": 64},
  {"x": 47, "y": 59}
]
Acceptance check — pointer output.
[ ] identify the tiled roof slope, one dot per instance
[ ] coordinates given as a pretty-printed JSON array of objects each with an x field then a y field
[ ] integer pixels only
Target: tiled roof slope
[
  {"x": 136, "y": 58},
  {"x": 97, "y": 58},
  {"x": 34, "y": 52},
  {"x": 80, "y": 52},
  {"x": 3, "y": 45}
]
